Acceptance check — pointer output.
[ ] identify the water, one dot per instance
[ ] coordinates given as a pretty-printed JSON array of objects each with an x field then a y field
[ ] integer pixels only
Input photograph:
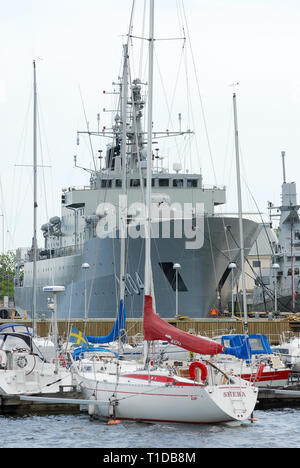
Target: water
[{"x": 274, "y": 429}]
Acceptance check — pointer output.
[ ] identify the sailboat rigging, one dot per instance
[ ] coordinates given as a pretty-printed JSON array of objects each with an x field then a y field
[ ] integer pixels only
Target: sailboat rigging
[{"x": 240, "y": 211}]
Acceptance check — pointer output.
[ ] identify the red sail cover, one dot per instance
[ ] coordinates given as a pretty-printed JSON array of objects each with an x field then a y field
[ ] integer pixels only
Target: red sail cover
[{"x": 156, "y": 328}]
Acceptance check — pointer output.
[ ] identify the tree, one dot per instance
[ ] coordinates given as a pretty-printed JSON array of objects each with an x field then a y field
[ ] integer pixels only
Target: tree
[{"x": 7, "y": 274}]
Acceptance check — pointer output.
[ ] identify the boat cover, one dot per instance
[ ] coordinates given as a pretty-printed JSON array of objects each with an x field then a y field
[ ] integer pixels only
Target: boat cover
[
  {"x": 244, "y": 347},
  {"x": 22, "y": 336},
  {"x": 156, "y": 328},
  {"x": 118, "y": 329},
  {"x": 79, "y": 352}
]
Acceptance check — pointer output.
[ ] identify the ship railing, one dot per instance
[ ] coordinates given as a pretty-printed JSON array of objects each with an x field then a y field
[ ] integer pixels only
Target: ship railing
[
  {"x": 79, "y": 187},
  {"x": 214, "y": 187}
]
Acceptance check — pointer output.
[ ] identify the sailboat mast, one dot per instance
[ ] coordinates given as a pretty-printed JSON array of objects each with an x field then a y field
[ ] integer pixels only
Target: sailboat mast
[
  {"x": 123, "y": 220},
  {"x": 148, "y": 275},
  {"x": 34, "y": 246},
  {"x": 240, "y": 210}
]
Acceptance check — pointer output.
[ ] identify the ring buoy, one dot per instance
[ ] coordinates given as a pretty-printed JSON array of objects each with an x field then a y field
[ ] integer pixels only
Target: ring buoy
[{"x": 201, "y": 366}]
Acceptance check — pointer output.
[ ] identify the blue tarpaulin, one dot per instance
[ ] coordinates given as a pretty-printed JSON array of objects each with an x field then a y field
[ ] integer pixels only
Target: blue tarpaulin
[
  {"x": 241, "y": 351},
  {"x": 244, "y": 347}
]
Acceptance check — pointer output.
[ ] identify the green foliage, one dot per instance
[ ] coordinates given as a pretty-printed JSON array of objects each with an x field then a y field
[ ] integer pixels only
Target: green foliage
[{"x": 7, "y": 273}]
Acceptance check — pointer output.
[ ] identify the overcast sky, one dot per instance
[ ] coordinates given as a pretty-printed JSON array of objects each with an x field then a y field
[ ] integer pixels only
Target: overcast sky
[{"x": 78, "y": 45}]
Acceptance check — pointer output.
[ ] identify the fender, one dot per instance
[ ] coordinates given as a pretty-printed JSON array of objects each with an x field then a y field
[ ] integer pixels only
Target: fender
[{"x": 201, "y": 366}]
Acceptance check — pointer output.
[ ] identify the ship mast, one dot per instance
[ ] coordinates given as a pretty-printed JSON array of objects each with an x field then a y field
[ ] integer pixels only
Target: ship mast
[{"x": 240, "y": 210}]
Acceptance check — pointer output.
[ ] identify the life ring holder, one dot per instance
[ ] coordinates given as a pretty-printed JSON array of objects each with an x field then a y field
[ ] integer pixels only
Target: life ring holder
[
  {"x": 198, "y": 365},
  {"x": 20, "y": 350}
]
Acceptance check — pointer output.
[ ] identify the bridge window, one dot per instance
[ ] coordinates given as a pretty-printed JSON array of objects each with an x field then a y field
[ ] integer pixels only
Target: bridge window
[
  {"x": 192, "y": 183},
  {"x": 178, "y": 183},
  {"x": 106, "y": 183},
  {"x": 135, "y": 183}
]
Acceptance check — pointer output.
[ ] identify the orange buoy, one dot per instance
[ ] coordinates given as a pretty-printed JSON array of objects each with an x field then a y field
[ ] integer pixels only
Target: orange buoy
[{"x": 111, "y": 422}]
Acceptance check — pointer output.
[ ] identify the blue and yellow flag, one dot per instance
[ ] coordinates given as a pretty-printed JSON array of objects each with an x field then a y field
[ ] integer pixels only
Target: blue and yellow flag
[{"x": 78, "y": 337}]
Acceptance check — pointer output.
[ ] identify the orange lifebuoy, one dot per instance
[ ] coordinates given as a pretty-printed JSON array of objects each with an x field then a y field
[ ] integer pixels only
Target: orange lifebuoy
[{"x": 201, "y": 366}]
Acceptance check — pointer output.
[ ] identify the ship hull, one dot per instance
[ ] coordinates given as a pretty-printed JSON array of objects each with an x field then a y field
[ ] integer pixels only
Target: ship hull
[{"x": 95, "y": 290}]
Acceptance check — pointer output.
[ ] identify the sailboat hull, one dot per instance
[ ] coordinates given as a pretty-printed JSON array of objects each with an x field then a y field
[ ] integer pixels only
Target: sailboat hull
[{"x": 162, "y": 402}]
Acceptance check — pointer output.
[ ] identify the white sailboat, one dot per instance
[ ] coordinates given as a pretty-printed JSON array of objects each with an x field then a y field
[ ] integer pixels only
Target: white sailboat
[
  {"x": 24, "y": 369},
  {"x": 149, "y": 392}
]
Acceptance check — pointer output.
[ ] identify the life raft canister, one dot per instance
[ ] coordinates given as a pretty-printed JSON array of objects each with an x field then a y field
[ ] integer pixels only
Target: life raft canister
[{"x": 201, "y": 366}]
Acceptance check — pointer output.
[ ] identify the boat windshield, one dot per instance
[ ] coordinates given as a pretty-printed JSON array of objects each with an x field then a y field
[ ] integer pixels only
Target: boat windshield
[{"x": 13, "y": 342}]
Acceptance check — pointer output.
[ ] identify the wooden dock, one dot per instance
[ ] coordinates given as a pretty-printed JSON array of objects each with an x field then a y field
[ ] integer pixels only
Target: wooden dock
[
  {"x": 278, "y": 398},
  {"x": 14, "y": 405}
]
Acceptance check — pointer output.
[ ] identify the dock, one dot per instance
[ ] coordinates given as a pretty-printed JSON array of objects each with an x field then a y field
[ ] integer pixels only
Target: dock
[
  {"x": 286, "y": 397},
  {"x": 269, "y": 398},
  {"x": 19, "y": 405}
]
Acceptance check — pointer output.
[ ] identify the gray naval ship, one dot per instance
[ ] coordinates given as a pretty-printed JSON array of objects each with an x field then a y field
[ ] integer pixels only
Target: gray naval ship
[
  {"x": 82, "y": 246},
  {"x": 278, "y": 287}
]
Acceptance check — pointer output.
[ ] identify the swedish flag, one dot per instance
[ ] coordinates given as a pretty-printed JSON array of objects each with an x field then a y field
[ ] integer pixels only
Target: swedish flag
[{"x": 78, "y": 337}]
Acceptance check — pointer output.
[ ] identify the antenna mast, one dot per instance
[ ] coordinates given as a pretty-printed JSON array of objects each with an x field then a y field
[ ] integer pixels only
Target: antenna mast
[{"x": 283, "y": 166}]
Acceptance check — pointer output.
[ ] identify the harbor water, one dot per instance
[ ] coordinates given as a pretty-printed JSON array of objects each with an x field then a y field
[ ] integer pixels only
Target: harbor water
[{"x": 273, "y": 429}]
